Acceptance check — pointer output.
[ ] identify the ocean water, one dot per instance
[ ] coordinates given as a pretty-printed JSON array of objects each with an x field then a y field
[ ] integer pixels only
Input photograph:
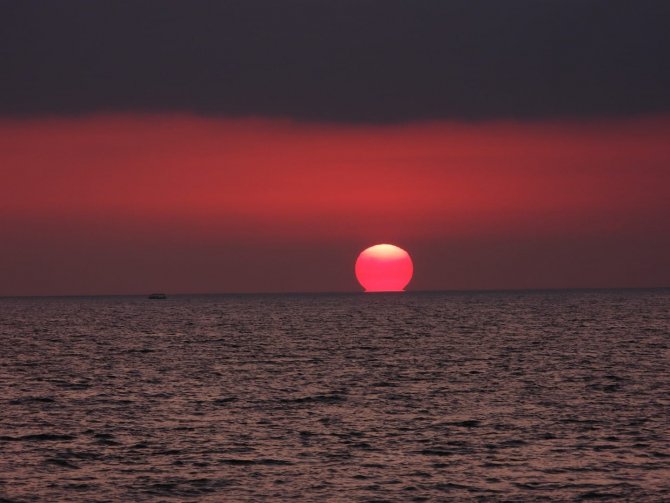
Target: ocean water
[{"x": 507, "y": 396}]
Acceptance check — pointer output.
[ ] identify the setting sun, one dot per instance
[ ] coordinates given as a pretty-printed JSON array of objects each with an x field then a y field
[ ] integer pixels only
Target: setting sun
[{"x": 384, "y": 268}]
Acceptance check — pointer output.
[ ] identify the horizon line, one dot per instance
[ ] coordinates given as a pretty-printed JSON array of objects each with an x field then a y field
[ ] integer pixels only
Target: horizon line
[{"x": 341, "y": 292}]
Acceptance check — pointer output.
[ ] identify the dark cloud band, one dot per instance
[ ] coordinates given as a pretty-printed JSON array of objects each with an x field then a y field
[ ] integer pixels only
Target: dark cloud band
[{"x": 339, "y": 60}]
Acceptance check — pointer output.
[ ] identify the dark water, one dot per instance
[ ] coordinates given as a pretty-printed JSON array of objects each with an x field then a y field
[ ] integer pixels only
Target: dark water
[{"x": 402, "y": 397}]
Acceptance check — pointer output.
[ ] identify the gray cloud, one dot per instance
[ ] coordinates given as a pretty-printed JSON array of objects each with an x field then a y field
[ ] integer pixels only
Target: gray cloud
[{"x": 337, "y": 60}]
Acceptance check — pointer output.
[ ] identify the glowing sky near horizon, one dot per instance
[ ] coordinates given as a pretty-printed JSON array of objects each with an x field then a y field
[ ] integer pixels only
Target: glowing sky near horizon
[{"x": 120, "y": 203}]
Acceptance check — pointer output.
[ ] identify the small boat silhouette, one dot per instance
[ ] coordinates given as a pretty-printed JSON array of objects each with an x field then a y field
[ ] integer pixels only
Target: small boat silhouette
[{"x": 158, "y": 296}]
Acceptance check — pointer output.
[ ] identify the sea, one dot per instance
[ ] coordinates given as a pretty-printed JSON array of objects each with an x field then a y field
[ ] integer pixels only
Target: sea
[{"x": 403, "y": 397}]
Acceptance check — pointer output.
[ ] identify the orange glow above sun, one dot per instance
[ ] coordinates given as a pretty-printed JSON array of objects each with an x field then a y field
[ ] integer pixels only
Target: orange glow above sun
[
  {"x": 384, "y": 268},
  {"x": 113, "y": 203}
]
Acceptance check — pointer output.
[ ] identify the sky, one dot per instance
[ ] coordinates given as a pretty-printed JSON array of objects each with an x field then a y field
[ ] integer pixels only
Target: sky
[{"x": 259, "y": 146}]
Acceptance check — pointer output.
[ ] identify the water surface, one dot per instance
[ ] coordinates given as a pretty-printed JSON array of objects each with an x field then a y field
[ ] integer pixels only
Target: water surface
[{"x": 509, "y": 396}]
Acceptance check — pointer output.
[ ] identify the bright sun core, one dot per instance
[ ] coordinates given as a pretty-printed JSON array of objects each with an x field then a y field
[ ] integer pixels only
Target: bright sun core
[{"x": 384, "y": 268}]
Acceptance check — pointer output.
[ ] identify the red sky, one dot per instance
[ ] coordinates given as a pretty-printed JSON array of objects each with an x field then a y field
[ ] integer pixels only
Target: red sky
[{"x": 176, "y": 203}]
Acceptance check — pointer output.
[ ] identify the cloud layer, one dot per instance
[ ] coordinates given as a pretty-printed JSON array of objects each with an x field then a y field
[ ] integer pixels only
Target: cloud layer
[{"x": 337, "y": 60}]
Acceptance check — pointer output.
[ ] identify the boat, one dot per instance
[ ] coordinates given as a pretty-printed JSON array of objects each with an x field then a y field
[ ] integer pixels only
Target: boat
[{"x": 158, "y": 296}]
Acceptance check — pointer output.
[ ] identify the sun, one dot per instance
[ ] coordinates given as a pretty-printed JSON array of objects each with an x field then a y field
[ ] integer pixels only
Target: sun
[{"x": 384, "y": 268}]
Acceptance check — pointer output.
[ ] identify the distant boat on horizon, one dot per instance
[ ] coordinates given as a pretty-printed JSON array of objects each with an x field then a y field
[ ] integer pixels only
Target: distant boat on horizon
[{"x": 158, "y": 296}]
